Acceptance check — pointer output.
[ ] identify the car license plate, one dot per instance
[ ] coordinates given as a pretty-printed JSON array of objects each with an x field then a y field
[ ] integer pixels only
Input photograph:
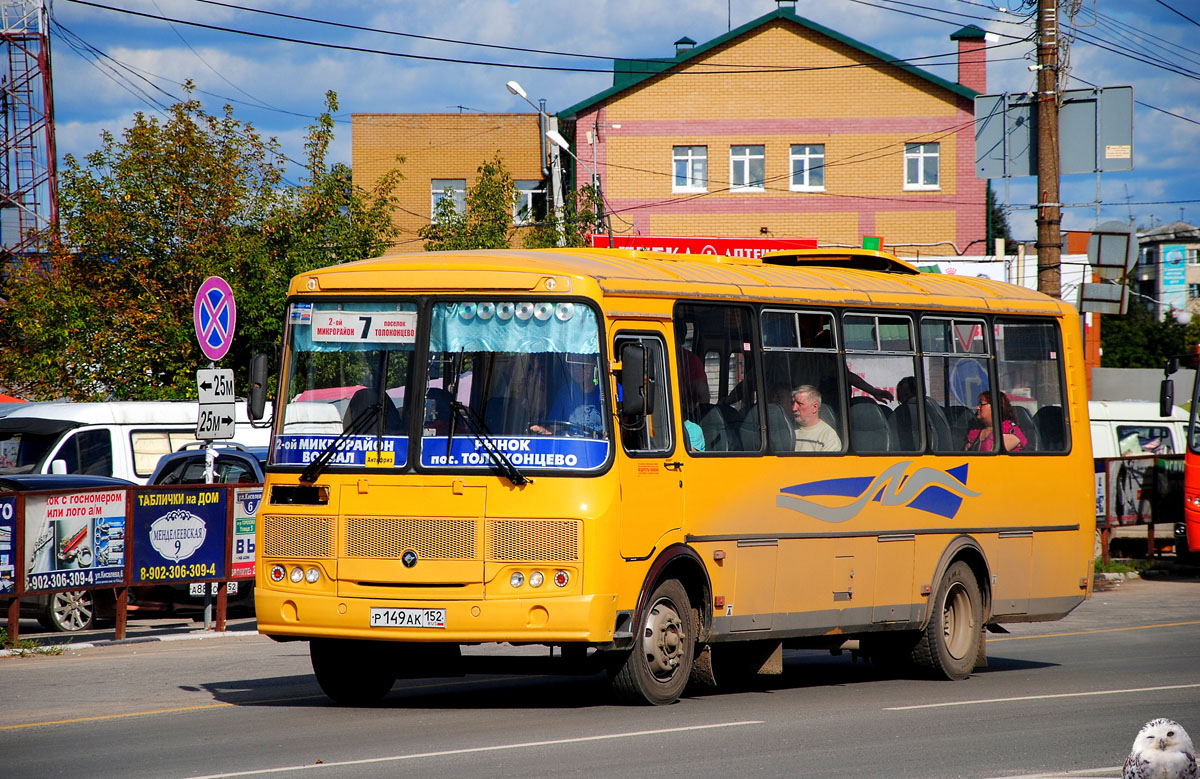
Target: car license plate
[
  {"x": 408, "y": 618},
  {"x": 197, "y": 588}
]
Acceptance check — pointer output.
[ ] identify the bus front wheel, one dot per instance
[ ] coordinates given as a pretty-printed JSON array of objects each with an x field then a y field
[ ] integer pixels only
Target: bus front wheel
[
  {"x": 657, "y": 669},
  {"x": 949, "y": 646},
  {"x": 352, "y": 673}
]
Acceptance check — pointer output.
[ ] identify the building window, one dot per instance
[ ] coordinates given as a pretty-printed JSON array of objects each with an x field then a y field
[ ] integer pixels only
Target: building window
[
  {"x": 746, "y": 164},
  {"x": 1193, "y": 256},
  {"x": 921, "y": 166},
  {"x": 691, "y": 169},
  {"x": 453, "y": 189},
  {"x": 808, "y": 168},
  {"x": 530, "y": 205}
]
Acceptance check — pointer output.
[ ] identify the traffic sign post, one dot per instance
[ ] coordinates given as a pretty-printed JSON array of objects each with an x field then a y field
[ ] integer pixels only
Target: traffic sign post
[
  {"x": 215, "y": 317},
  {"x": 217, "y": 404}
]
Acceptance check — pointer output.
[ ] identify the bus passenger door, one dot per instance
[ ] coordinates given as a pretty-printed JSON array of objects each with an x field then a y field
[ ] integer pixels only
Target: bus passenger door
[{"x": 651, "y": 479}]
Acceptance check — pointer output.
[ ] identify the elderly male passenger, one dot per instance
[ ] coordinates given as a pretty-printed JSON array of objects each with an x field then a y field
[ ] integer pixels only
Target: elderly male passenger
[{"x": 813, "y": 434}]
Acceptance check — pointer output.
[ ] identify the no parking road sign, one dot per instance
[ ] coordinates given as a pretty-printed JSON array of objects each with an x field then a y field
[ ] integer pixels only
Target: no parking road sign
[{"x": 214, "y": 316}]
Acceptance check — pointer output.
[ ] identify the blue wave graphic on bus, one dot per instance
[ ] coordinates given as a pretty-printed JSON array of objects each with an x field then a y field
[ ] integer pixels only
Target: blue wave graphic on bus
[{"x": 925, "y": 489}]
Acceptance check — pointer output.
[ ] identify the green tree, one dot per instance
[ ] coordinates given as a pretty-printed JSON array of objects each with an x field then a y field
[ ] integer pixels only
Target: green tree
[
  {"x": 325, "y": 220},
  {"x": 487, "y": 223},
  {"x": 569, "y": 225},
  {"x": 144, "y": 220},
  {"x": 1138, "y": 340}
]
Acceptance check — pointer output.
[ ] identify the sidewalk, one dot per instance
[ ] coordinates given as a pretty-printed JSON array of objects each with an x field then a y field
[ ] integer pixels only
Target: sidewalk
[{"x": 138, "y": 630}]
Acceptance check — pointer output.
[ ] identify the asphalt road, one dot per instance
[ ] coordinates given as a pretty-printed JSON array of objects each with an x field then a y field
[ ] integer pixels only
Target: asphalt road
[{"x": 1057, "y": 699}]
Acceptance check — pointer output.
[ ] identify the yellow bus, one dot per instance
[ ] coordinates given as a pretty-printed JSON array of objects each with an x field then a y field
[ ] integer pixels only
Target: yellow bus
[{"x": 669, "y": 467}]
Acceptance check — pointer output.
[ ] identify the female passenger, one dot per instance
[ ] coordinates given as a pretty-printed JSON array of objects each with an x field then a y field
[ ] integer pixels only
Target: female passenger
[{"x": 980, "y": 440}]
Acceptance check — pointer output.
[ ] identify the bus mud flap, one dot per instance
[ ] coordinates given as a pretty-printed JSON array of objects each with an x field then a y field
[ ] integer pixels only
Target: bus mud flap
[{"x": 702, "y": 668}]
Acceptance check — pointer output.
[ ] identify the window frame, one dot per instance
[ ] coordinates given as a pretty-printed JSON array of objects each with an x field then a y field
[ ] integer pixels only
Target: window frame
[
  {"x": 526, "y": 201},
  {"x": 459, "y": 196},
  {"x": 919, "y": 152},
  {"x": 742, "y": 164},
  {"x": 806, "y": 157},
  {"x": 689, "y": 157}
]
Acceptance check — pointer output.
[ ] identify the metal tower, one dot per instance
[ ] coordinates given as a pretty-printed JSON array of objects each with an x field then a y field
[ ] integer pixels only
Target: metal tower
[{"x": 28, "y": 190}]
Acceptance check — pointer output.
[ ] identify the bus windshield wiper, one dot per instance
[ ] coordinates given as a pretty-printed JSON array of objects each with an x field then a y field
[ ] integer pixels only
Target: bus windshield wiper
[
  {"x": 502, "y": 461},
  {"x": 357, "y": 425}
]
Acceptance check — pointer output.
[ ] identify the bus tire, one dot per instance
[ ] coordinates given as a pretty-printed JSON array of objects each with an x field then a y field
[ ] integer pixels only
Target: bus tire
[
  {"x": 950, "y": 642},
  {"x": 352, "y": 673},
  {"x": 657, "y": 669}
]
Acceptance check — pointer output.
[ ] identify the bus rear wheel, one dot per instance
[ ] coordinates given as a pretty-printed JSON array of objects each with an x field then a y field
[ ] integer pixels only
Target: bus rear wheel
[
  {"x": 352, "y": 673},
  {"x": 657, "y": 669},
  {"x": 949, "y": 645}
]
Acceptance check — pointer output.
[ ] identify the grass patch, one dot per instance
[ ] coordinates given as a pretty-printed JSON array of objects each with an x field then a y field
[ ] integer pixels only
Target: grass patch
[
  {"x": 1123, "y": 565},
  {"x": 27, "y": 646}
]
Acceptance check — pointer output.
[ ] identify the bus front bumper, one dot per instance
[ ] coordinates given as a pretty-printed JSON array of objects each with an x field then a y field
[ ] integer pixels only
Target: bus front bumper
[{"x": 575, "y": 619}]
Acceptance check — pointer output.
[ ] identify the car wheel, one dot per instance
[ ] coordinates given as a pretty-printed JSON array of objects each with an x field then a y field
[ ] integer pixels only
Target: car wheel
[{"x": 71, "y": 611}]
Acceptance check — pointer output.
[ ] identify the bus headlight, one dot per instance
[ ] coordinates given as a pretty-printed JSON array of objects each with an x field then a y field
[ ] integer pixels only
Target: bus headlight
[
  {"x": 297, "y": 575},
  {"x": 517, "y": 579},
  {"x": 312, "y": 575},
  {"x": 536, "y": 578}
]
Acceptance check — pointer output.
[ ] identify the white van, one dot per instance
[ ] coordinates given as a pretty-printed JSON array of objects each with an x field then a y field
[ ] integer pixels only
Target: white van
[
  {"x": 121, "y": 438},
  {"x": 1127, "y": 427}
]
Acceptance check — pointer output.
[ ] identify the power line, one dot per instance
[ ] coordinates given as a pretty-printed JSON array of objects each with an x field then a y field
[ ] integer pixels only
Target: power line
[
  {"x": 1177, "y": 11},
  {"x": 702, "y": 69}
]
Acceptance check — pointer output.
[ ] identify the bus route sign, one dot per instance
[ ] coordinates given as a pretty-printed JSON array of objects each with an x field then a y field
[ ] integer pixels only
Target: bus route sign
[{"x": 214, "y": 316}]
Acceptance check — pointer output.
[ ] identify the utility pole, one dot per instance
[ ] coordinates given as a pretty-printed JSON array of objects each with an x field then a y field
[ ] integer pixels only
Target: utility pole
[{"x": 1049, "y": 207}]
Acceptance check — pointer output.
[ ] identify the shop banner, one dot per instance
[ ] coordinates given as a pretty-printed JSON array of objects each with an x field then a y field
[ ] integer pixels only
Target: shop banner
[
  {"x": 179, "y": 535},
  {"x": 74, "y": 540},
  {"x": 245, "y": 509}
]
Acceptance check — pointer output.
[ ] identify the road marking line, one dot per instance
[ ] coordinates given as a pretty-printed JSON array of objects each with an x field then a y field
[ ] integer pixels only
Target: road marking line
[
  {"x": 1043, "y": 697},
  {"x": 203, "y": 706},
  {"x": 176, "y": 710},
  {"x": 475, "y": 750},
  {"x": 1093, "y": 632}
]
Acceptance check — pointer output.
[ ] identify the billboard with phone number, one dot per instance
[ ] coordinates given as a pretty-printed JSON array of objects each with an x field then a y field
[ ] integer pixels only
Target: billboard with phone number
[{"x": 179, "y": 535}]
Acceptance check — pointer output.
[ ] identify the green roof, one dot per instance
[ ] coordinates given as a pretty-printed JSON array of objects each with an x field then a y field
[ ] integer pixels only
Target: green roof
[{"x": 629, "y": 72}]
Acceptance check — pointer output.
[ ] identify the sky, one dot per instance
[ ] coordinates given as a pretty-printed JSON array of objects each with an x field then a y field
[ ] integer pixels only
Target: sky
[{"x": 446, "y": 56}]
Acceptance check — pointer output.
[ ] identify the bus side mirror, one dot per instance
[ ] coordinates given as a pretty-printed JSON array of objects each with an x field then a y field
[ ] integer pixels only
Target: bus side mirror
[
  {"x": 635, "y": 397},
  {"x": 1166, "y": 398},
  {"x": 257, "y": 400}
]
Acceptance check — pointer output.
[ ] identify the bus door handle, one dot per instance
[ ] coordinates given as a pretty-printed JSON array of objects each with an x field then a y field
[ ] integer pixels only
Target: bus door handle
[{"x": 673, "y": 465}]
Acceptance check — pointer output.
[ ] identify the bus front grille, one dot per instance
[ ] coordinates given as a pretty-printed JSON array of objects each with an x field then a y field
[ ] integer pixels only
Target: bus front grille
[
  {"x": 532, "y": 540},
  {"x": 286, "y": 535},
  {"x": 390, "y": 537}
]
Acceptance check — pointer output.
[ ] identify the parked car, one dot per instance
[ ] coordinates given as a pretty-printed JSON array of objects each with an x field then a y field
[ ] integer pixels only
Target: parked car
[
  {"x": 76, "y": 609},
  {"x": 119, "y": 438},
  {"x": 233, "y": 464}
]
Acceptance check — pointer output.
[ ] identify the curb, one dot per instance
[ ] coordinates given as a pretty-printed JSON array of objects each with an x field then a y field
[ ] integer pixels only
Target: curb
[{"x": 198, "y": 635}]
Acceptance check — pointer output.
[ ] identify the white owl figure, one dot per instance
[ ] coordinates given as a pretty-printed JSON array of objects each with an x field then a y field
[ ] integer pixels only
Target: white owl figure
[{"x": 1162, "y": 750}]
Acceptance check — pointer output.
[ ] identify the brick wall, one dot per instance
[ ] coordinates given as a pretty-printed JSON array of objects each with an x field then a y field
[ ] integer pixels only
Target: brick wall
[
  {"x": 439, "y": 146},
  {"x": 863, "y": 115}
]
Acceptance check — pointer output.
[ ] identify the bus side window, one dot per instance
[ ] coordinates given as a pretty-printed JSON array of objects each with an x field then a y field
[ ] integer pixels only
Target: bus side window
[
  {"x": 647, "y": 433},
  {"x": 722, "y": 337},
  {"x": 1030, "y": 374}
]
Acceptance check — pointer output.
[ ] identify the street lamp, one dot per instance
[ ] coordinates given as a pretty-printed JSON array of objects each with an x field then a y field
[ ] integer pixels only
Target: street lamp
[
  {"x": 561, "y": 142},
  {"x": 517, "y": 90}
]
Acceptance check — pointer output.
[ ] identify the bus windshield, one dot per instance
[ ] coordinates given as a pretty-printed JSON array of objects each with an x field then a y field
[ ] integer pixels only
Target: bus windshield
[{"x": 502, "y": 382}]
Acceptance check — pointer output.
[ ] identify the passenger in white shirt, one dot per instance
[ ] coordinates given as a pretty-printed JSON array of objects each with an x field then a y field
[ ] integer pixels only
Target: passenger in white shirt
[{"x": 813, "y": 434}]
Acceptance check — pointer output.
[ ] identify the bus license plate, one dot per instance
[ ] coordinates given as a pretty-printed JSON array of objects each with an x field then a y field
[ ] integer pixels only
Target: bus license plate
[{"x": 408, "y": 618}]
